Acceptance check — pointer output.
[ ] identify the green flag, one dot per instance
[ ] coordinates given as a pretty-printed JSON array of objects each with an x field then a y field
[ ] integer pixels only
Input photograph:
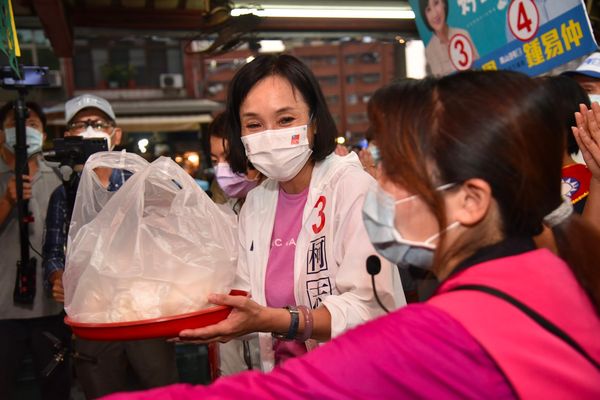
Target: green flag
[{"x": 8, "y": 31}]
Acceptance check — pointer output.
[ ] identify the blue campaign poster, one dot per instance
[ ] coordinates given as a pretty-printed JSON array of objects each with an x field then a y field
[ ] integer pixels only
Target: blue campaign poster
[{"x": 530, "y": 36}]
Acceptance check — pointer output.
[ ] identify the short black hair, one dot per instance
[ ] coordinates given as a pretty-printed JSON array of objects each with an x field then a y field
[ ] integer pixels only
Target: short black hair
[
  {"x": 423, "y": 5},
  {"x": 567, "y": 95},
  {"x": 217, "y": 126},
  {"x": 302, "y": 79},
  {"x": 35, "y": 107}
]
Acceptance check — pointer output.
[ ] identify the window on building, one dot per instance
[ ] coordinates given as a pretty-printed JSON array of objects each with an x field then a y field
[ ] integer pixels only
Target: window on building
[
  {"x": 120, "y": 64},
  {"x": 333, "y": 99},
  {"x": 351, "y": 59},
  {"x": 370, "y": 58},
  {"x": 327, "y": 80},
  {"x": 371, "y": 78},
  {"x": 319, "y": 60},
  {"x": 352, "y": 98},
  {"x": 357, "y": 118}
]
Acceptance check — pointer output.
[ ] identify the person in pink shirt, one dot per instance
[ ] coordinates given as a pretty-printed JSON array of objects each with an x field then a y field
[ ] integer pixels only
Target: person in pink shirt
[
  {"x": 302, "y": 244},
  {"x": 463, "y": 190}
]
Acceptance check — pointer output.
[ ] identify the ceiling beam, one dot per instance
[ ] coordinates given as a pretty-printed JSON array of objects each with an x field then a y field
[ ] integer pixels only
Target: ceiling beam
[
  {"x": 188, "y": 20},
  {"x": 54, "y": 20},
  {"x": 119, "y": 18},
  {"x": 337, "y": 24}
]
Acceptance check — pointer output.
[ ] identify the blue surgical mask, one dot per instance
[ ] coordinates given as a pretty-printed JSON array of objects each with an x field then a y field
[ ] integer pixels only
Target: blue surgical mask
[
  {"x": 33, "y": 137},
  {"x": 374, "y": 150},
  {"x": 379, "y": 212}
]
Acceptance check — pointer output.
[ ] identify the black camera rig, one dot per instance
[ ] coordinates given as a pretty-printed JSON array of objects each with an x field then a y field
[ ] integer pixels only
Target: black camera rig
[{"x": 21, "y": 81}]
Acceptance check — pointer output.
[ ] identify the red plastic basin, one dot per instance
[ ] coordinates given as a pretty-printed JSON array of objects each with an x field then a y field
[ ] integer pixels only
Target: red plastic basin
[{"x": 166, "y": 327}]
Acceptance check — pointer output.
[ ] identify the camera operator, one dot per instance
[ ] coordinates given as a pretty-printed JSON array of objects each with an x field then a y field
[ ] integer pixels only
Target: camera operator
[
  {"x": 22, "y": 327},
  {"x": 104, "y": 370}
]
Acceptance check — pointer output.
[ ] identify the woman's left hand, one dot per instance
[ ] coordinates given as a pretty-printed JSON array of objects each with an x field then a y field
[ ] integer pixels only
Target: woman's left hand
[
  {"x": 244, "y": 318},
  {"x": 587, "y": 134}
]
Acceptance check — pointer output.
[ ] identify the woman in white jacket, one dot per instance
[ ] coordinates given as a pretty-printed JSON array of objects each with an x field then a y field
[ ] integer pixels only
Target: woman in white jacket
[{"x": 303, "y": 246}]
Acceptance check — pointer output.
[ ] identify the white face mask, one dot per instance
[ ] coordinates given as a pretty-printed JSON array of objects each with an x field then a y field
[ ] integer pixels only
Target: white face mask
[
  {"x": 594, "y": 98},
  {"x": 92, "y": 133},
  {"x": 33, "y": 138},
  {"x": 279, "y": 154}
]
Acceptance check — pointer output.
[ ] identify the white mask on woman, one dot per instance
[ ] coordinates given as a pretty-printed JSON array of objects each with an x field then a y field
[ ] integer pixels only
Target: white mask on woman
[{"x": 279, "y": 154}]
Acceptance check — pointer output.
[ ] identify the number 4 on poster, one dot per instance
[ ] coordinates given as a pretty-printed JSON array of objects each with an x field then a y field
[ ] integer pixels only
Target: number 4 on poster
[{"x": 523, "y": 19}]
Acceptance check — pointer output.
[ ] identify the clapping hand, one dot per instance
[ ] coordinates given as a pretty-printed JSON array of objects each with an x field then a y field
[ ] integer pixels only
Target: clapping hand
[{"x": 587, "y": 134}]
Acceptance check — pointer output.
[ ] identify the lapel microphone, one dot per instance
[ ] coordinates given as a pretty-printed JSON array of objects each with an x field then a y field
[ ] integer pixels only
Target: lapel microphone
[{"x": 373, "y": 268}]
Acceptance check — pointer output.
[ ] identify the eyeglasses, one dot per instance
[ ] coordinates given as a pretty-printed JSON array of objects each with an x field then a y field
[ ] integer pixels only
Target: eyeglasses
[{"x": 81, "y": 126}]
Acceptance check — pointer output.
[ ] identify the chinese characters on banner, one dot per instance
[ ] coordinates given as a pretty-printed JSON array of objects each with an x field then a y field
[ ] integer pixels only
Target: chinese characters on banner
[{"x": 530, "y": 36}]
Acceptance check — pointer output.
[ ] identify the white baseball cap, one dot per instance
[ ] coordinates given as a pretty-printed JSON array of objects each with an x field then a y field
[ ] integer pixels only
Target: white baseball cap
[
  {"x": 589, "y": 67},
  {"x": 78, "y": 103}
]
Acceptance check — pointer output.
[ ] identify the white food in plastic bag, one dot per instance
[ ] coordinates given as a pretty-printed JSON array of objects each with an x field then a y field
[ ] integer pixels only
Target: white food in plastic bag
[{"x": 155, "y": 248}]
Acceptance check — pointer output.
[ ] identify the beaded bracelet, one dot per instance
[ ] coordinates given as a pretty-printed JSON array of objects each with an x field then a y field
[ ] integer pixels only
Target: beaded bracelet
[
  {"x": 293, "y": 329},
  {"x": 308, "y": 324}
]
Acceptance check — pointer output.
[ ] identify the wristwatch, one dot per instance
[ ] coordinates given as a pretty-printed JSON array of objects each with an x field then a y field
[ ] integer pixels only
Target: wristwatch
[{"x": 294, "y": 323}]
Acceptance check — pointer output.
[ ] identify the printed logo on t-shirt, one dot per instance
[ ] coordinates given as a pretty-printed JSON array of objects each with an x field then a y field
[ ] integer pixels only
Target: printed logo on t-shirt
[
  {"x": 316, "y": 259},
  {"x": 280, "y": 243},
  {"x": 317, "y": 290}
]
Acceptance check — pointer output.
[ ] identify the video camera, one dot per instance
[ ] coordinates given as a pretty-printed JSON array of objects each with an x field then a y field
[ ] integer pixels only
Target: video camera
[{"x": 74, "y": 150}]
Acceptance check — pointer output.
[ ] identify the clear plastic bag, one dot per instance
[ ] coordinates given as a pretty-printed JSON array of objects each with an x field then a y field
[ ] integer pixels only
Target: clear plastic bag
[{"x": 156, "y": 247}]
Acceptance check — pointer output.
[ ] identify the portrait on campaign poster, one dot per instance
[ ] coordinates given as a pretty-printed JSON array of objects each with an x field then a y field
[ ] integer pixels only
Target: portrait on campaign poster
[
  {"x": 435, "y": 17},
  {"x": 530, "y": 36}
]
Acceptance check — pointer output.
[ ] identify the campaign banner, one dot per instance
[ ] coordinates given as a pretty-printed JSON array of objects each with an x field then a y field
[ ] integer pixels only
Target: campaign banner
[{"x": 529, "y": 36}]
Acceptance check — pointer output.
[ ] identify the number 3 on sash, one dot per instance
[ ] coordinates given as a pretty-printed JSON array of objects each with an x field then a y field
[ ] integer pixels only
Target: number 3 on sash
[{"x": 320, "y": 205}]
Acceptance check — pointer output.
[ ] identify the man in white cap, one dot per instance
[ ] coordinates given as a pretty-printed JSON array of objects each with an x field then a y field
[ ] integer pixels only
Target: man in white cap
[
  {"x": 588, "y": 76},
  {"x": 92, "y": 116},
  {"x": 105, "y": 369}
]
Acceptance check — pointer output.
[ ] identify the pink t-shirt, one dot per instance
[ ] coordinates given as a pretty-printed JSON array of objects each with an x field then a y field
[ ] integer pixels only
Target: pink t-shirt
[{"x": 279, "y": 279}]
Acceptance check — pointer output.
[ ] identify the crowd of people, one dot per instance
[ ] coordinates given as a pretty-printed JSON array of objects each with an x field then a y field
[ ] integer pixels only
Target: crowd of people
[{"x": 468, "y": 193}]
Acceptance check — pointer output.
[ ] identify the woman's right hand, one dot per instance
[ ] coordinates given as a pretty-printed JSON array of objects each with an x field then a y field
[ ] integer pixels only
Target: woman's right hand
[{"x": 246, "y": 317}]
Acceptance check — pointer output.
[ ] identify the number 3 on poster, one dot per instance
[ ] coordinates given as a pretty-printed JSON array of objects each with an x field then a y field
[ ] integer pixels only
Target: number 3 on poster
[{"x": 461, "y": 52}]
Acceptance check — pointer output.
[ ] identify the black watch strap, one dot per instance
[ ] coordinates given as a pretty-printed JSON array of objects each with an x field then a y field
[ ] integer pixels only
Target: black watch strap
[{"x": 294, "y": 324}]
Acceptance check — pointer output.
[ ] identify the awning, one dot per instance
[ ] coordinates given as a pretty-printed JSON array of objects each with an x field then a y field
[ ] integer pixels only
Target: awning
[
  {"x": 170, "y": 115},
  {"x": 161, "y": 123}
]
